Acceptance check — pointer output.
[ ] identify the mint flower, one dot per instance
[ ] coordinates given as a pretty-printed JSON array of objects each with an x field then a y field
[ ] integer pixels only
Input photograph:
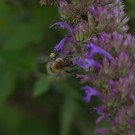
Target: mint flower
[{"x": 98, "y": 41}]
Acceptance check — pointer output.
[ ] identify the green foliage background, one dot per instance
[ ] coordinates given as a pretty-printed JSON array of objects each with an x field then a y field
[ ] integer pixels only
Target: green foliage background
[{"x": 31, "y": 101}]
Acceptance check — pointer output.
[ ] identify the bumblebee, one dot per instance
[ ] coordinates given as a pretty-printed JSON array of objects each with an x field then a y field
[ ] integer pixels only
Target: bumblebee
[{"x": 59, "y": 66}]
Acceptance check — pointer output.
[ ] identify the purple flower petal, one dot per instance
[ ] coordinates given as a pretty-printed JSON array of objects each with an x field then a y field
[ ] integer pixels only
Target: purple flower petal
[
  {"x": 101, "y": 109},
  {"x": 90, "y": 92},
  {"x": 84, "y": 78},
  {"x": 102, "y": 117},
  {"x": 63, "y": 25},
  {"x": 103, "y": 131},
  {"x": 95, "y": 49},
  {"x": 61, "y": 44},
  {"x": 87, "y": 63}
]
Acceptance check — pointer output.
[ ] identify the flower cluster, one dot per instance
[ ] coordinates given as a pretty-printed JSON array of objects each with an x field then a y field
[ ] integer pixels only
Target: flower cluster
[{"x": 97, "y": 39}]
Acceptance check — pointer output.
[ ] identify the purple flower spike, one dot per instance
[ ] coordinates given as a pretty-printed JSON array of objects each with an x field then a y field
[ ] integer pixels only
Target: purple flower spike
[
  {"x": 103, "y": 131},
  {"x": 95, "y": 49},
  {"x": 63, "y": 25},
  {"x": 61, "y": 44},
  {"x": 99, "y": 28},
  {"x": 90, "y": 92}
]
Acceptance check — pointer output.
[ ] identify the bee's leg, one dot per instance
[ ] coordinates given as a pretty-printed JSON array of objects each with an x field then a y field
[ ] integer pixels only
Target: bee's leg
[{"x": 70, "y": 71}]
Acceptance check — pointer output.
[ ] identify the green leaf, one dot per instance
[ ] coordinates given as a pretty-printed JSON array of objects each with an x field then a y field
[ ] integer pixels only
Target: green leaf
[
  {"x": 10, "y": 118},
  {"x": 23, "y": 35},
  {"x": 7, "y": 83},
  {"x": 67, "y": 88},
  {"x": 68, "y": 114},
  {"x": 86, "y": 125},
  {"x": 19, "y": 60},
  {"x": 32, "y": 126},
  {"x": 42, "y": 85}
]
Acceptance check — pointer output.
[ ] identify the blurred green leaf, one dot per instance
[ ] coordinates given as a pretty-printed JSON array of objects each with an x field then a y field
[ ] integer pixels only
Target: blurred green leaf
[
  {"x": 10, "y": 118},
  {"x": 68, "y": 112},
  {"x": 7, "y": 83},
  {"x": 32, "y": 126},
  {"x": 85, "y": 123},
  {"x": 24, "y": 61},
  {"x": 23, "y": 35},
  {"x": 42, "y": 85},
  {"x": 67, "y": 88}
]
